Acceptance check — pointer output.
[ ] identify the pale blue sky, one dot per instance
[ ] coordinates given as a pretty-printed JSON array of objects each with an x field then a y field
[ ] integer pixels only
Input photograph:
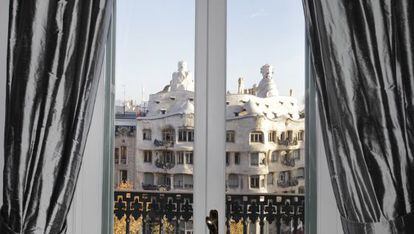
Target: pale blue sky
[{"x": 153, "y": 35}]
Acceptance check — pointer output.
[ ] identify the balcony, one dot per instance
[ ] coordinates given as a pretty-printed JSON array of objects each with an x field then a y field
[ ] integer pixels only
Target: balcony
[
  {"x": 136, "y": 212},
  {"x": 288, "y": 161},
  {"x": 287, "y": 183},
  {"x": 163, "y": 164},
  {"x": 165, "y": 144},
  {"x": 288, "y": 142},
  {"x": 154, "y": 187}
]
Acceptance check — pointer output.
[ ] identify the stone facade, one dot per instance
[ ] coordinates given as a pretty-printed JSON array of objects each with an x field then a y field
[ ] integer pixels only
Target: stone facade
[{"x": 265, "y": 140}]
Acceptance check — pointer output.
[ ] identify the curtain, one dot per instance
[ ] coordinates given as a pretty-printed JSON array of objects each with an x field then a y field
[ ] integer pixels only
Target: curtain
[
  {"x": 363, "y": 65},
  {"x": 55, "y": 56}
]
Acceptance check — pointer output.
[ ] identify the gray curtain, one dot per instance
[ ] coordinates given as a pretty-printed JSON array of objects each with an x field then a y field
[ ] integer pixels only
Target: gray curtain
[
  {"x": 363, "y": 65},
  {"x": 55, "y": 57}
]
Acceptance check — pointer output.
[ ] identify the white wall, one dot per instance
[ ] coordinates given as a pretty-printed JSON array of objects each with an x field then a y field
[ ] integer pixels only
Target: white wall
[
  {"x": 85, "y": 215},
  {"x": 328, "y": 216}
]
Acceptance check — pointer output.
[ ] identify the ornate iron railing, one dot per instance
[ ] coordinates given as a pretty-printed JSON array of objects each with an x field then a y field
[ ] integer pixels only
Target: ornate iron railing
[{"x": 136, "y": 212}]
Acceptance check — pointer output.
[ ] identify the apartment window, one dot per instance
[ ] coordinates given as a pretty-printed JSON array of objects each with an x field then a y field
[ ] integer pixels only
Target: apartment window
[
  {"x": 179, "y": 181},
  {"x": 168, "y": 134},
  {"x": 180, "y": 157},
  {"x": 296, "y": 154},
  {"x": 227, "y": 158},
  {"x": 275, "y": 156},
  {"x": 300, "y": 173},
  {"x": 123, "y": 175},
  {"x": 186, "y": 135},
  {"x": 189, "y": 157},
  {"x": 254, "y": 181},
  {"x": 117, "y": 155},
  {"x": 148, "y": 178},
  {"x": 290, "y": 135},
  {"x": 123, "y": 154},
  {"x": 283, "y": 136},
  {"x": 270, "y": 178},
  {"x": 237, "y": 158},
  {"x": 233, "y": 181},
  {"x": 272, "y": 136},
  {"x": 148, "y": 156},
  {"x": 230, "y": 136},
  {"x": 254, "y": 159},
  {"x": 167, "y": 157},
  {"x": 301, "y": 134},
  {"x": 301, "y": 190},
  {"x": 146, "y": 134},
  {"x": 256, "y": 137}
]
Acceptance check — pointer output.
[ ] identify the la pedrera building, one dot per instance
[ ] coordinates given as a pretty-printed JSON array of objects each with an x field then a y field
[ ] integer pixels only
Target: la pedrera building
[{"x": 264, "y": 134}]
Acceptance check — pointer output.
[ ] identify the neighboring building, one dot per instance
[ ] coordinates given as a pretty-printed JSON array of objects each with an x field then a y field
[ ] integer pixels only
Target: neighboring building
[{"x": 265, "y": 139}]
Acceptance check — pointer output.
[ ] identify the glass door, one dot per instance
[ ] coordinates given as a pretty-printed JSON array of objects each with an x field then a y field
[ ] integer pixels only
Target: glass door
[
  {"x": 154, "y": 116},
  {"x": 265, "y": 117}
]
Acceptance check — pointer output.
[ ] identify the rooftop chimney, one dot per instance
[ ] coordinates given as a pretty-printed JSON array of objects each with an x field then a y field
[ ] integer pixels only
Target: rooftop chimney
[{"x": 240, "y": 89}]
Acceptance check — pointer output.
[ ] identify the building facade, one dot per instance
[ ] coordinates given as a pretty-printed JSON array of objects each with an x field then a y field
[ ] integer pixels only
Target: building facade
[{"x": 264, "y": 134}]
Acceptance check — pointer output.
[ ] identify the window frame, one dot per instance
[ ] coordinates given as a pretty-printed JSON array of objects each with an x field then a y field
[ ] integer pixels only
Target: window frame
[{"x": 210, "y": 68}]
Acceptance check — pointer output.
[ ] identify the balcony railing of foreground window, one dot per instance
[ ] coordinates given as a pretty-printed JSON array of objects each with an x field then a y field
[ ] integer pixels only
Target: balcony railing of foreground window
[{"x": 154, "y": 212}]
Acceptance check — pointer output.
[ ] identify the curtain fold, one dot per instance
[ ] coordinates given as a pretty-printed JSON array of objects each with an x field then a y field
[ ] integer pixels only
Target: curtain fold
[
  {"x": 55, "y": 57},
  {"x": 363, "y": 63}
]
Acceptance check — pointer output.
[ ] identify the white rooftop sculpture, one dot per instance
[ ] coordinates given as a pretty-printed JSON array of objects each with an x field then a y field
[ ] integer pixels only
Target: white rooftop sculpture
[
  {"x": 181, "y": 79},
  {"x": 267, "y": 86}
]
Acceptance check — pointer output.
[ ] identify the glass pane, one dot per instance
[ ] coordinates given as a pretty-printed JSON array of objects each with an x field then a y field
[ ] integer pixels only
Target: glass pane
[
  {"x": 265, "y": 120},
  {"x": 154, "y": 121}
]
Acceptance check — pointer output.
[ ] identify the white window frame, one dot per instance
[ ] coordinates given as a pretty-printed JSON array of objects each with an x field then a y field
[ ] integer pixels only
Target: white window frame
[{"x": 210, "y": 134}]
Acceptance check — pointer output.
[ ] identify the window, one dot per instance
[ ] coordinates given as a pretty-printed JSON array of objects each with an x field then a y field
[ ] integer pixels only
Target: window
[
  {"x": 254, "y": 181},
  {"x": 189, "y": 157},
  {"x": 256, "y": 137},
  {"x": 254, "y": 159},
  {"x": 186, "y": 135},
  {"x": 233, "y": 181},
  {"x": 123, "y": 175},
  {"x": 301, "y": 190},
  {"x": 300, "y": 173},
  {"x": 290, "y": 135},
  {"x": 117, "y": 155},
  {"x": 148, "y": 178},
  {"x": 227, "y": 158},
  {"x": 180, "y": 157},
  {"x": 167, "y": 156},
  {"x": 275, "y": 156},
  {"x": 272, "y": 136},
  {"x": 270, "y": 178},
  {"x": 237, "y": 158},
  {"x": 123, "y": 155},
  {"x": 301, "y": 135},
  {"x": 168, "y": 135},
  {"x": 146, "y": 134},
  {"x": 296, "y": 154},
  {"x": 283, "y": 136},
  {"x": 147, "y": 156},
  {"x": 230, "y": 136}
]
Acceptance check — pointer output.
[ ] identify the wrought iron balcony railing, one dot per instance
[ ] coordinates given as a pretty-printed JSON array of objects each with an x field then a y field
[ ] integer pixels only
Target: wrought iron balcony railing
[
  {"x": 137, "y": 212},
  {"x": 288, "y": 142},
  {"x": 164, "y": 165},
  {"x": 287, "y": 183},
  {"x": 155, "y": 187},
  {"x": 288, "y": 161}
]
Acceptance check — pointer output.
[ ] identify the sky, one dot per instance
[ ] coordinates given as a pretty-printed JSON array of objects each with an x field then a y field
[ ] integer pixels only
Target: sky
[{"x": 152, "y": 36}]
